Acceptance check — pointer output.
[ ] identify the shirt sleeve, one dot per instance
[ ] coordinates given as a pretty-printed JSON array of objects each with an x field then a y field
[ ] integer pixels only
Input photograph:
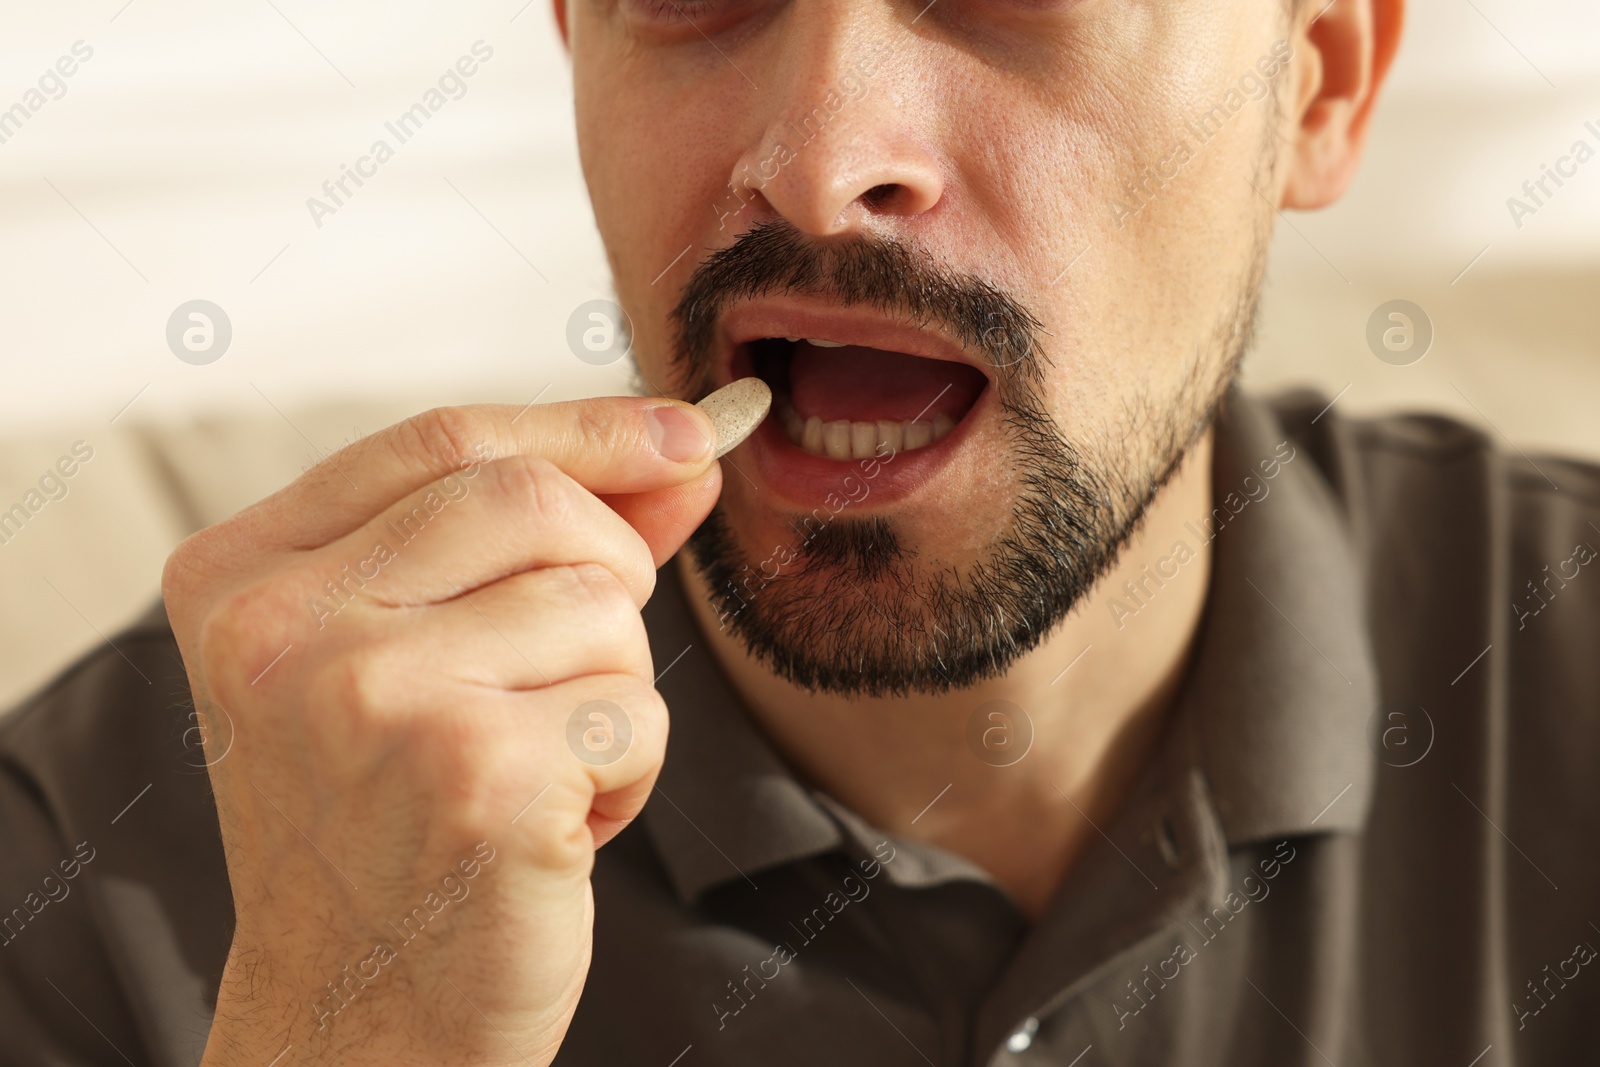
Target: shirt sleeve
[
  {"x": 115, "y": 911},
  {"x": 60, "y": 1004}
]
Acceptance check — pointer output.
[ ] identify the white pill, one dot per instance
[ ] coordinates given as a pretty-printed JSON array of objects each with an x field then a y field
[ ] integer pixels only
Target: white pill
[{"x": 736, "y": 410}]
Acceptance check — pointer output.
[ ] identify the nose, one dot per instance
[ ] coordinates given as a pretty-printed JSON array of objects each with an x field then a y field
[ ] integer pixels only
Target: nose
[{"x": 838, "y": 153}]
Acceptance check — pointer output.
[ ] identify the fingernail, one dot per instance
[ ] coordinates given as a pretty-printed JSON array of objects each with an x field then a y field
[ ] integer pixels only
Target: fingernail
[{"x": 675, "y": 436}]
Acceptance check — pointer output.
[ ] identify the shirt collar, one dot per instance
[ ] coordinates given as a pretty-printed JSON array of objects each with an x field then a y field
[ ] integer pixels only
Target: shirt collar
[
  {"x": 1279, "y": 696},
  {"x": 725, "y": 806},
  {"x": 1283, "y": 686}
]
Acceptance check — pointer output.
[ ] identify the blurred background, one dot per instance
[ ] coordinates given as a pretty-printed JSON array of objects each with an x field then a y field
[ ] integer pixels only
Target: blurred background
[{"x": 175, "y": 162}]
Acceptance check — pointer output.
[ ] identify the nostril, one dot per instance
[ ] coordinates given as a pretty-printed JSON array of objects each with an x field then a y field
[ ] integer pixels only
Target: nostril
[{"x": 879, "y": 196}]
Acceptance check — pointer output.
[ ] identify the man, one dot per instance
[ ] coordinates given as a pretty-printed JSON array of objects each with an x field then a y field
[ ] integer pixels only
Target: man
[{"x": 1036, "y": 696}]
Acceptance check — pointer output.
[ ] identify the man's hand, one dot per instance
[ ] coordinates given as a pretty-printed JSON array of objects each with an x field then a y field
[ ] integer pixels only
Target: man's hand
[{"x": 440, "y": 693}]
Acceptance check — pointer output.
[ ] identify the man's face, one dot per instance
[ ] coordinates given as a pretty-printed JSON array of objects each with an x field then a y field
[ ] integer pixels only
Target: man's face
[{"x": 1037, "y": 226}]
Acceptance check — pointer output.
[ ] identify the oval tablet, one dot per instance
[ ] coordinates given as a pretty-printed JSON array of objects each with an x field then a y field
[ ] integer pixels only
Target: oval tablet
[{"x": 736, "y": 410}]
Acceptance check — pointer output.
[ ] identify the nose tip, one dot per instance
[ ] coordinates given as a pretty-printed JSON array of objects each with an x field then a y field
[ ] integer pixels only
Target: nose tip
[
  {"x": 825, "y": 204},
  {"x": 862, "y": 167}
]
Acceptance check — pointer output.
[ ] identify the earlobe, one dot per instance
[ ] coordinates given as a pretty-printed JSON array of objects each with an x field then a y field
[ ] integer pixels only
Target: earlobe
[{"x": 1344, "y": 54}]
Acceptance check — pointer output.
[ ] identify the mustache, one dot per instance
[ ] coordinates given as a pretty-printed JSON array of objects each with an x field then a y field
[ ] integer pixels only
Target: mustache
[{"x": 774, "y": 258}]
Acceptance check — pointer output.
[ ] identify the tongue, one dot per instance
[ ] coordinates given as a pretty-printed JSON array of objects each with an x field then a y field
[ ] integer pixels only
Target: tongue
[{"x": 867, "y": 384}]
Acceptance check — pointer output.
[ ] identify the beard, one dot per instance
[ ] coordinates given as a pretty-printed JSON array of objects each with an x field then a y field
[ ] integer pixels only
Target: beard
[{"x": 857, "y": 611}]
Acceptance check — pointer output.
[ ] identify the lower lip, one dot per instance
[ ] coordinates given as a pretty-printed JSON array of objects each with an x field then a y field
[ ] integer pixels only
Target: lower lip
[{"x": 807, "y": 480}]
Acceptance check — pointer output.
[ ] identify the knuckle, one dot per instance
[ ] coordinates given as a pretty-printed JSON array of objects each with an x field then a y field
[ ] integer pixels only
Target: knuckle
[
  {"x": 559, "y": 839},
  {"x": 194, "y": 567},
  {"x": 540, "y": 487},
  {"x": 641, "y": 700},
  {"x": 592, "y": 430},
  {"x": 602, "y": 599},
  {"x": 611, "y": 718},
  {"x": 452, "y": 749},
  {"x": 648, "y": 710},
  {"x": 181, "y": 569},
  {"x": 243, "y": 629},
  {"x": 653, "y": 707},
  {"x": 443, "y": 437},
  {"x": 361, "y": 684}
]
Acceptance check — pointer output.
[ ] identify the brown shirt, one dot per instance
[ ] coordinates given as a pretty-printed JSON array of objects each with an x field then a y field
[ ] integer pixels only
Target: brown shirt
[{"x": 1369, "y": 835}]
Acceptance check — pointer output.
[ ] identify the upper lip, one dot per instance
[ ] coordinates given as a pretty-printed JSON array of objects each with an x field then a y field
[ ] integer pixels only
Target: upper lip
[{"x": 852, "y": 325}]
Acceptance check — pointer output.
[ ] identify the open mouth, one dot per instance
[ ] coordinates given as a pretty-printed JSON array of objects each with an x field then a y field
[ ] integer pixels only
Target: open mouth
[{"x": 847, "y": 401}]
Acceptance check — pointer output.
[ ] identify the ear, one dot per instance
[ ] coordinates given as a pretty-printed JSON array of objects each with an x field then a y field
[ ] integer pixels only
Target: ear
[
  {"x": 1344, "y": 53},
  {"x": 561, "y": 21}
]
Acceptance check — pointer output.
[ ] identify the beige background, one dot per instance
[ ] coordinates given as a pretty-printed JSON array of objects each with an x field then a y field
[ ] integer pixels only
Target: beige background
[{"x": 178, "y": 164}]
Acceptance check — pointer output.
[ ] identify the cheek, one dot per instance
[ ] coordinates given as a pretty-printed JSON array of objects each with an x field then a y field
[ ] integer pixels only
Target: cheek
[
  {"x": 1180, "y": 195},
  {"x": 1130, "y": 281},
  {"x": 657, "y": 175},
  {"x": 1174, "y": 227}
]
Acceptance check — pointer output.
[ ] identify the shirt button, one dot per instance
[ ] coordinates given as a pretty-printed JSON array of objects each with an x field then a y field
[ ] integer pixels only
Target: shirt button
[{"x": 1022, "y": 1037}]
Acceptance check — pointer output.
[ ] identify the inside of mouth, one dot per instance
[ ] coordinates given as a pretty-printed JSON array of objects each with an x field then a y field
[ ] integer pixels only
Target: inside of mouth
[{"x": 849, "y": 401}]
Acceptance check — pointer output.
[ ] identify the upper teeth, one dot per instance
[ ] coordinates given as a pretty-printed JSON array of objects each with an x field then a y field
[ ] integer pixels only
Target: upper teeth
[{"x": 815, "y": 341}]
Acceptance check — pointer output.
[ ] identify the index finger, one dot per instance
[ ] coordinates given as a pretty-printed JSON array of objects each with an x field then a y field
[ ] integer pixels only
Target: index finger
[{"x": 606, "y": 444}]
